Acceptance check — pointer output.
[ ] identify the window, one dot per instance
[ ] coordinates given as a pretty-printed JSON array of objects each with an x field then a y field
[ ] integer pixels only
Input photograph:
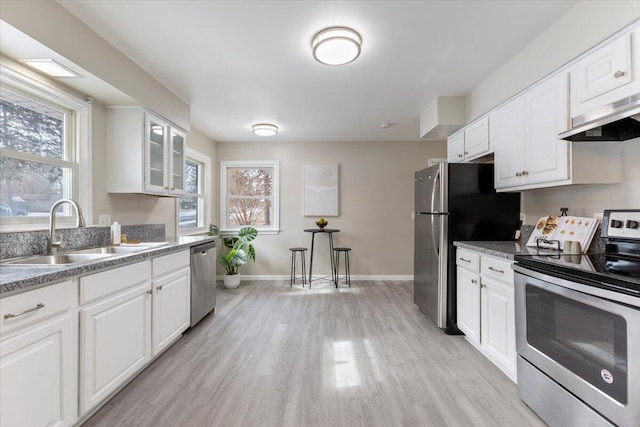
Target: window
[
  {"x": 193, "y": 210},
  {"x": 44, "y": 152},
  {"x": 249, "y": 195}
]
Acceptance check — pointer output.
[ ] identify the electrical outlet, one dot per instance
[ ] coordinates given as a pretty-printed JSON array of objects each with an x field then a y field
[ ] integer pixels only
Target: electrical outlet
[
  {"x": 104, "y": 220},
  {"x": 413, "y": 215}
]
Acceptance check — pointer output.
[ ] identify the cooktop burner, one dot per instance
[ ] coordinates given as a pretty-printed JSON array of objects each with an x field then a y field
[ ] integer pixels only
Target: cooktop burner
[{"x": 618, "y": 268}]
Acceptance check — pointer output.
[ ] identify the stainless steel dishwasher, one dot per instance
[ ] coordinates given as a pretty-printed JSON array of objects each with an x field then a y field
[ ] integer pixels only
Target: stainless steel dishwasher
[{"x": 203, "y": 281}]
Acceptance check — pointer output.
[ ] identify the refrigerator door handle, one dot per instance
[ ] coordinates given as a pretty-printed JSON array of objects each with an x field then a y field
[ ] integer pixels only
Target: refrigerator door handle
[
  {"x": 433, "y": 192},
  {"x": 436, "y": 241}
]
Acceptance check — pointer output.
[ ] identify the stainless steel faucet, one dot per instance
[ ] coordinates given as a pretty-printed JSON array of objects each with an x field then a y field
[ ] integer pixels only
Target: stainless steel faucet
[{"x": 52, "y": 243}]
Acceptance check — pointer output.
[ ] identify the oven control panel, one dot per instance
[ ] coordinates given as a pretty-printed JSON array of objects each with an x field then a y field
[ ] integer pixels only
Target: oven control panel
[{"x": 621, "y": 223}]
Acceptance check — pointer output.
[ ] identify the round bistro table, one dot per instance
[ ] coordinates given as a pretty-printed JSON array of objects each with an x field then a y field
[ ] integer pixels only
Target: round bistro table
[{"x": 313, "y": 232}]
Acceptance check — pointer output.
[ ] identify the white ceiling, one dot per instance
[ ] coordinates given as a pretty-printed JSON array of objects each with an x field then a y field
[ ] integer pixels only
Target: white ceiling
[{"x": 243, "y": 62}]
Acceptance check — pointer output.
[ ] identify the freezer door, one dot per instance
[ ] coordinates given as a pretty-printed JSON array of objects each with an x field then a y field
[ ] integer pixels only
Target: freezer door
[
  {"x": 429, "y": 189},
  {"x": 429, "y": 286}
]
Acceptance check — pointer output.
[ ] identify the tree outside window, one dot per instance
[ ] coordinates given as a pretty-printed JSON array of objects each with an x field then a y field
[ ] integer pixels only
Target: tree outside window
[
  {"x": 193, "y": 208},
  {"x": 249, "y": 195}
]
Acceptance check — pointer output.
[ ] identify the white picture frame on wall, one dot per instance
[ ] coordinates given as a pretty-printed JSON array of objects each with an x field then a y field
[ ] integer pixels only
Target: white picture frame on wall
[{"x": 321, "y": 193}]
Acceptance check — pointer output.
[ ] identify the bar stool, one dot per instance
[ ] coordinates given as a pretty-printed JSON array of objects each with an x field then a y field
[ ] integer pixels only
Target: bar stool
[
  {"x": 347, "y": 269},
  {"x": 294, "y": 251}
]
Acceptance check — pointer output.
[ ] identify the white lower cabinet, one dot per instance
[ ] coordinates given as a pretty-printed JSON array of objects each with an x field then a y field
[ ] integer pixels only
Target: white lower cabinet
[
  {"x": 486, "y": 308},
  {"x": 38, "y": 363},
  {"x": 171, "y": 304},
  {"x": 469, "y": 304},
  {"x": 115, "y": 340},
  {"x": 498, "y": 324}
]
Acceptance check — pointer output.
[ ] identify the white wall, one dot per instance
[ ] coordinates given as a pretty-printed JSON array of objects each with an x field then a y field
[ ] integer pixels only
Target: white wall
[{"x": 376, "y": 199}]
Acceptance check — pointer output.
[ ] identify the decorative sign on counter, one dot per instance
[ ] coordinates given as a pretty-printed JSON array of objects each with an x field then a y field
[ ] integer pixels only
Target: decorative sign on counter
[{"x": 554, "y": 228}]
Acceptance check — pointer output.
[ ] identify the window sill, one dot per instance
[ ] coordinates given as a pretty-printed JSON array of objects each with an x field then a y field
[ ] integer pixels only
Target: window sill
[
  {"x": 193, "y": 232},
  {"x": 233, "y": 232}
]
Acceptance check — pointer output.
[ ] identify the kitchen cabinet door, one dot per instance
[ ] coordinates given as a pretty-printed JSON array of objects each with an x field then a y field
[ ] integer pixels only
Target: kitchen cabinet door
[
  {"x": 177, "y": 161},
  {"x": 171, "y": 308},
  {"x": 37, "y": 374},
  {"x": 468, "y": 304},
  {"x": 455, "y": 147},
  {"x": 599, "y": 78},
  {"x": 115, "y": 343},
  {"x": 155, "y": 146},
  {"x": 497, "y": 310},
  {"x": 546, "y": 157},
  {"x": 476, "y": 138},
  {"x": 507, "y": 135}
]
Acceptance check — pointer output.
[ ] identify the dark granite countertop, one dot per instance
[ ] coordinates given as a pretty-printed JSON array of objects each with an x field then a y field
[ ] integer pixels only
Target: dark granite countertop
[
  {"x": 504, "y": 249},
  {"x": 17, "y": 279}
]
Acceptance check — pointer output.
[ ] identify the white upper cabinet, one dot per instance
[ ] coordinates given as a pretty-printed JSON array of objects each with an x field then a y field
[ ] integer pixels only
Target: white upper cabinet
[
  {"x": 546, "y": 115},
  {"x": 455, "y": 147},
  {"x": 470, "y": 142},
  {"x": 145, "y": 153},
  {"x": 528, "y": 153},
  {"x": 607, "y": 75},
  {"x": 476, "y": 138}
]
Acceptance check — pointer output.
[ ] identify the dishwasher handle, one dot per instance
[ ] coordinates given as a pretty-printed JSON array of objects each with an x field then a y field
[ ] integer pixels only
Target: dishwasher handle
[{"x": 202, "y": 249}]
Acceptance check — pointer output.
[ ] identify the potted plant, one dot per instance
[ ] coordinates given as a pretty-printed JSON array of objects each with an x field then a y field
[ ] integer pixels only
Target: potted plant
[{"x": 239, "y": 252}]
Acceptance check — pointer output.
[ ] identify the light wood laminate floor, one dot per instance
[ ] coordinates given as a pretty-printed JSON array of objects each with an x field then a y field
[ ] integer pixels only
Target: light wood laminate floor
[{"x": 279, "y": 356}]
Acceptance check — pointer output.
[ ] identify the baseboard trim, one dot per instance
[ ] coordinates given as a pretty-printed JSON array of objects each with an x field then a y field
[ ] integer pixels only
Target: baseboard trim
[{"x": 353, "y": 277}]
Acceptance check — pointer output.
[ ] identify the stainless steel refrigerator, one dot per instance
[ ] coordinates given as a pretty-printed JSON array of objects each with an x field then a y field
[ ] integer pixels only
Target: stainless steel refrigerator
[{"x": 455, "y": 201}]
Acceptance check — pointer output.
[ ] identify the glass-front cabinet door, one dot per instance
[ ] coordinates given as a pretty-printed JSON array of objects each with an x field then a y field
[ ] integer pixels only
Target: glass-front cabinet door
[
  {"x": 155, "y": 152},
  {"x": 176, "y": 183}
]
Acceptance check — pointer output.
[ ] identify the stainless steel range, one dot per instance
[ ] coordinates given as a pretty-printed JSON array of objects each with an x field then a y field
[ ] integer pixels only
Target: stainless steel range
[{"x": 578, "y": 330}]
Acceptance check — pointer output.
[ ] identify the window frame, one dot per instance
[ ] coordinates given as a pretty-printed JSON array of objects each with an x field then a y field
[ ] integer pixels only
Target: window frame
[
  {"x": 80, "y": 145},
  {"x": 274, "y": 228},
  {"x": 205, "y": 180}
]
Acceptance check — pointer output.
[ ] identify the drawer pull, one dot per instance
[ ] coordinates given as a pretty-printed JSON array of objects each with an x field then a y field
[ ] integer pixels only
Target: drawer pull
[
  {"x": 36, "y": 308},
  {"x": 159, "y": 288},
  {"x": 474, "y": 281},
  {"x": 495, "y": 270},
  {"x": 465, "y": 260},
  {"x": 618, "y": 74}
]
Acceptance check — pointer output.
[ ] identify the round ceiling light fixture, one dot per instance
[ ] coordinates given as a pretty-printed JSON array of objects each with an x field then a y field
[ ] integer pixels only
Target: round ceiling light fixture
[
  {"x": 265, "y": 129},
  {"x": 336, "y": 46}
]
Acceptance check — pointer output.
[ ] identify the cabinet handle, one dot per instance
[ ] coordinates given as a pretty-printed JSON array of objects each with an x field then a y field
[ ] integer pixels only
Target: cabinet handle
[
  {"x": 159, "y": 288},
  {"x": 459, "y": 155},
  {"x": 518, "y": 174},
  {"x": 150, "y": 292},
  {"x": 482, "y": 285},
  {"x": 474, "y": 281},
  {"x": 465, "y": 260},
  {"x": 166, "y": 188},
  {"x": 525, "y": 173},
  {"x": 466, "y": 152},
  {"x": 36, "y": 308},
  {"x": 618, "y": 74},
  {"x": 495, "y": 270}
]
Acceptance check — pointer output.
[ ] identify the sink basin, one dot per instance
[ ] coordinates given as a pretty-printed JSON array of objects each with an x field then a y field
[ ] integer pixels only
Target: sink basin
[
  {"x": 52, "y": 260},
  {"x": 112, "y": 250}
]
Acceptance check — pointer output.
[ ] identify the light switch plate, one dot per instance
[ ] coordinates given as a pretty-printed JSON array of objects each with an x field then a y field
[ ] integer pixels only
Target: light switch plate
[{"x": 104, "y": 220}]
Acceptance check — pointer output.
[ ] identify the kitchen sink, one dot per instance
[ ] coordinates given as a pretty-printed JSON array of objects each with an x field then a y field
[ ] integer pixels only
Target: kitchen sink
[
  {"x": 112, "y": 250},
  {"x": 52, "y": 260}
]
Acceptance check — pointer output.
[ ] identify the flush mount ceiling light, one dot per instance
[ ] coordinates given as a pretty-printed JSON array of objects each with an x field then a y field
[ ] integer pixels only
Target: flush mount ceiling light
[
  {"x": 265, "y": 129},
  {"x": 50, "y": 67},
  {"x": 336, "y": 46}
]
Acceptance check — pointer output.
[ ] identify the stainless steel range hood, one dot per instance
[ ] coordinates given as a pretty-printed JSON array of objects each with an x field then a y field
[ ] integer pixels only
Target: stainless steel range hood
[{"x": 618, "y": 121}]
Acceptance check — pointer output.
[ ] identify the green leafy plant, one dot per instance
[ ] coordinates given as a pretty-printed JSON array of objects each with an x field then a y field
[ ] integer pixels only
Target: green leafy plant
[{"x": 239, "y": 250}]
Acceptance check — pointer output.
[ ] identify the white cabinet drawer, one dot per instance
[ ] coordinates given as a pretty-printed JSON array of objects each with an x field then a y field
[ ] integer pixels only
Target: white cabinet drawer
[
  {"x": 498, "y": 269},
  {"x": 468, "y": 260},
  {"x": 168, "y": 263},
  {"x": 29, "y": 307},
  {"x": 109, "y": 282}
]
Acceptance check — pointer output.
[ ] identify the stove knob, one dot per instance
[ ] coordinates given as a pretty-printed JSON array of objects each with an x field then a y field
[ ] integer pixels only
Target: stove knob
[
  {"x": 631, "y": 224},
  {"x": 615, "y": 223}
]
